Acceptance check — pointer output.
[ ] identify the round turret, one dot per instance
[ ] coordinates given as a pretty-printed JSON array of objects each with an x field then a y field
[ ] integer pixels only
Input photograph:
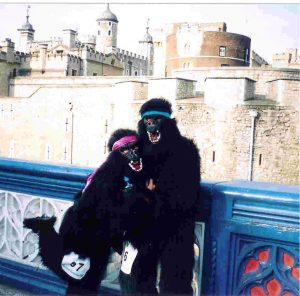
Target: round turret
[{"x": 107, "y": 31}]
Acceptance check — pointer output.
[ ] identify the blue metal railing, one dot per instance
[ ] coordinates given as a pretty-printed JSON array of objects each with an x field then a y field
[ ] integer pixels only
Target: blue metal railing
[{"x": 251, "y": 240}]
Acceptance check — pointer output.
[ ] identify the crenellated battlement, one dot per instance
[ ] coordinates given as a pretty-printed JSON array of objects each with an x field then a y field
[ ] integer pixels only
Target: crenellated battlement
[{"x": 125, "y": 54}]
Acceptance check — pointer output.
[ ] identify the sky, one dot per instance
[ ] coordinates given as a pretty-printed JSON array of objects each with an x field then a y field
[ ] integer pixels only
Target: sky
[{"x": 271, "y": 27}]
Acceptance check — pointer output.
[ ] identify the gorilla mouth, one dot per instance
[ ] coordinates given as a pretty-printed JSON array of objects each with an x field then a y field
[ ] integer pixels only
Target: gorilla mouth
[
  {"x": 136, "y": 165},
  {"x": 154, "y": 137}
]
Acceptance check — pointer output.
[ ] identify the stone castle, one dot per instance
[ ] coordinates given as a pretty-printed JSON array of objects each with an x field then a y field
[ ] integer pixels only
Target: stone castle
[
  {"x": 68, "y": 56},
  {"x": 243, "y": 119}
]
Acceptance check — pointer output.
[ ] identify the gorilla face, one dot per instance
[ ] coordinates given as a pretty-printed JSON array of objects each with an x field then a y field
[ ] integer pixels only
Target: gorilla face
[
  {"x": 131, "y": 153},
  {"x": 153, "y": 127}
]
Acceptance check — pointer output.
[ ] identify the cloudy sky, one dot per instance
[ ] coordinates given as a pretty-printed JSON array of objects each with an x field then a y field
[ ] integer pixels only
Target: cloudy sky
[{"x": 271, "y": 27}]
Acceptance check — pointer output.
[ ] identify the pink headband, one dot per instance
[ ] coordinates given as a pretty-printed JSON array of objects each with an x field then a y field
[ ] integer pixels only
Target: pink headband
[{"x": 123, "y": 141}]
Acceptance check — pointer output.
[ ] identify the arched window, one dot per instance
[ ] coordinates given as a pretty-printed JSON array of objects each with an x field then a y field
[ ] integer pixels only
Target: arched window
[{"x": 109, "y": 32}]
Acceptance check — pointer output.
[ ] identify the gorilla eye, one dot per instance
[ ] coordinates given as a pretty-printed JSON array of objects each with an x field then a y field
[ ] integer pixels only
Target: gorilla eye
[
  {"x": 125, "y": 151},
  {"x": 148, "y": 121}
]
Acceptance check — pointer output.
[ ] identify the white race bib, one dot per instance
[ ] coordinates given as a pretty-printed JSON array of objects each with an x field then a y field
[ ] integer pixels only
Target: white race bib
[
  {"x": 74, "y": 266},
  {"x": 128, "y": 257}
]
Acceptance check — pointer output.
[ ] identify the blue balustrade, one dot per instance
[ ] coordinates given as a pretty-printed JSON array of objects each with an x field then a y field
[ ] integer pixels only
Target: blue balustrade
[
  {"x": 252, "y": 247},
  {"x": 250, "y": 244}
]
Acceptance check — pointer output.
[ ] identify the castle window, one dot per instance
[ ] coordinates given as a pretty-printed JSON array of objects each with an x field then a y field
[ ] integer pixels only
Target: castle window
[
  {"x": 65, "y": 153},
  {"x": 246, "y": 54},
  {"x": 109, "y": 32},
  {"x": 187, "y": 48},
  {"x": 74, "y": 72},
  {"x": 99, "y": 23},
  {"x": 109, "y": 23},
  {"x": 67, "y": 123},
  {"x": 98, "y": 32},
  {"x": 48, "y": 152},
  {"x": 95, "y": 74},
  {"x": 14, "y": 72},
  {"x": 135, "y": 73},
  {"x": 214, "y": 156},
  {"x": 222, "y": 51}
]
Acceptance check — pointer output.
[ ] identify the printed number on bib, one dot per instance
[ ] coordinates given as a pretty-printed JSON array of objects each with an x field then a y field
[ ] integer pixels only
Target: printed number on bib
[
  {"x": 128, "y": 258},
  {"x": 74, "y": 266}
]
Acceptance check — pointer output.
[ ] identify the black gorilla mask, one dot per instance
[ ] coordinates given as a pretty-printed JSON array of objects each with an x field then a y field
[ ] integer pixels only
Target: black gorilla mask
[
  {"x": 131, "y": 152},
  {"x": 153, "y": 127}
]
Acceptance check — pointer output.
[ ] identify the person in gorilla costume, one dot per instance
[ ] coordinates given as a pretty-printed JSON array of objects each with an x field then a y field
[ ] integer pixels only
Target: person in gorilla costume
[
  {"x": 96, "y": 221},
  {"x": 173, "y": 162}
]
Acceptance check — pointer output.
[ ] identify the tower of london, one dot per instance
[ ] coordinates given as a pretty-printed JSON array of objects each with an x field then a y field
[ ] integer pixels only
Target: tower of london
[{"x": 67, "y": 55}]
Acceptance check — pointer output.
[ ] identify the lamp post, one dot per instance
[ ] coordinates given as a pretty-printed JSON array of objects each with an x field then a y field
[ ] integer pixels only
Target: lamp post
[{"x": 72, "y": 131}]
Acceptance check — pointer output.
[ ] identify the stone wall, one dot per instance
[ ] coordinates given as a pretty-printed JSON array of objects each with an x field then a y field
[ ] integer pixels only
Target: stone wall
[
  {"x": 171, "y": 88},
  {"x": 223, "y": 137},
  {"x": 69, "y": 120},
  {"x": 4, "y": 74},
  {"x": 227, "y": 92},
  {"x": 261, "y": 76},
  {"x": 285, "y": 91}
]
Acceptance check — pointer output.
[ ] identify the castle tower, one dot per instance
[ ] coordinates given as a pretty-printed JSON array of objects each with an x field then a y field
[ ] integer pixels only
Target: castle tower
[
  {"x": 107, "y": 30},
  {"x": 26, "y": 34},
  {"x": 148, "y": 49}
]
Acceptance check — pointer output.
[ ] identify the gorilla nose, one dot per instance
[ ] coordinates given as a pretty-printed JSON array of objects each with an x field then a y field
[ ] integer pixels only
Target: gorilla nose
[{"x": 152, "y": 128}]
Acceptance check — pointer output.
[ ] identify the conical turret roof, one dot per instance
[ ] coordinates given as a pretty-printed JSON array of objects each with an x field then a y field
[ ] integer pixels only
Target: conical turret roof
[{"x": 107, "y": 15}]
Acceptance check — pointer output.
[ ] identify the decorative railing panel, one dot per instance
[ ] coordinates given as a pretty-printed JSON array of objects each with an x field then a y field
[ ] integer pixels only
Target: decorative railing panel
[
  {"x": 255, "y": 239},
  {"x": 18, "y": 243}
]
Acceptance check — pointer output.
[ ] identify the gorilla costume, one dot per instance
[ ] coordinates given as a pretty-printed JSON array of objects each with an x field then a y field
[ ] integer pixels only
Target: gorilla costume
[
  {"x": 96, "y": 221},
  {"x": 173, "y": 162}
]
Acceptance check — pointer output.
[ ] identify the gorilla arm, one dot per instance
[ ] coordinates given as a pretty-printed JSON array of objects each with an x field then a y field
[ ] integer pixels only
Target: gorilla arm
[{"x": 177, "y": 189}]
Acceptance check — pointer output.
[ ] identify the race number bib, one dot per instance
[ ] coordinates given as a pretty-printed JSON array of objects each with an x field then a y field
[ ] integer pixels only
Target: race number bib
[
  {"x": 74, "y": 266},
  {"x": 128, "y": 257}
]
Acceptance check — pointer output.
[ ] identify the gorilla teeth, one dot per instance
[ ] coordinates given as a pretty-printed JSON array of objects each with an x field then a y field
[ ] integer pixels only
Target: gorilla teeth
[
  {"x": 135, "y": 169},
  {"x": 156, "y": 140}
]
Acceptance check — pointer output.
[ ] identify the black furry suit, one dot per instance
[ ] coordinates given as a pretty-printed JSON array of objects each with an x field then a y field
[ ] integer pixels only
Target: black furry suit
[
  {"x": 94, "y": 223},
  {"x": 174, "y": 165}
]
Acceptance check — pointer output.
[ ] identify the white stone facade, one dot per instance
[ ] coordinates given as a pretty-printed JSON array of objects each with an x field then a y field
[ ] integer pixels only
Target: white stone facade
[{"x": 71, "y": 118}]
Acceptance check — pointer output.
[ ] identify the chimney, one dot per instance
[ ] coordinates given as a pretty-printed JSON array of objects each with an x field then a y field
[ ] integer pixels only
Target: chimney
[
  {"x": 69, "y": 37},
  {"x": 43, "y": 54}
]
